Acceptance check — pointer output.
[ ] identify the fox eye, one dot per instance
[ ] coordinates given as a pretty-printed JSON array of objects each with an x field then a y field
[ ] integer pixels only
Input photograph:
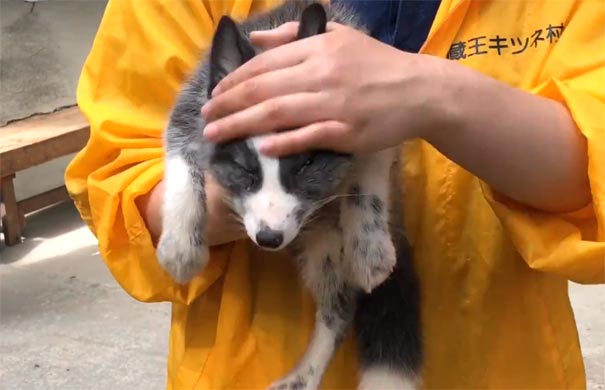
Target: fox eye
[
  {"x": 243, "y": 168},
  {"x": 304, "y": 165},
  {"x": 248, "y": 176},
  {"x": 250, "y": 182}
]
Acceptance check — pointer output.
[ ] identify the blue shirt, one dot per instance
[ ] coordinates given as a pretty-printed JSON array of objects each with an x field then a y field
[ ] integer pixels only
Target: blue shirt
[{"x": 403, "y": 24}]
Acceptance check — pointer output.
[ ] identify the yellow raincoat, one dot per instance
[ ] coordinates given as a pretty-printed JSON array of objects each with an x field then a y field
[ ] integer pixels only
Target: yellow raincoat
[{"x": 494, "y": 273}]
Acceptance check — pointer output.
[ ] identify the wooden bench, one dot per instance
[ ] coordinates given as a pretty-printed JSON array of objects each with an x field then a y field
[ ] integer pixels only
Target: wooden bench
[{"x": 30, "y": 142}]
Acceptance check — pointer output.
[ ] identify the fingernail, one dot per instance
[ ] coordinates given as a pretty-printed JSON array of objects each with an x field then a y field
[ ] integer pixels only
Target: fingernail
[
  {"x": 216, "y": 90},
  {"x": 265, "y": 147},
  {"x": 211, "y": 131},
  {"x": 205, "y": 109}
]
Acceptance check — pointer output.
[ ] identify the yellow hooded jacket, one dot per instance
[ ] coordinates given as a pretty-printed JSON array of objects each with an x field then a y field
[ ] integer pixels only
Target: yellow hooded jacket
[{"x": 494, "y": 273}]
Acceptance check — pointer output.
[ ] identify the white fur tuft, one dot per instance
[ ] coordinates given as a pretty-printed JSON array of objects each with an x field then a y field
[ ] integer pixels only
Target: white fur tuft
[{"x": 385, "y": 378}]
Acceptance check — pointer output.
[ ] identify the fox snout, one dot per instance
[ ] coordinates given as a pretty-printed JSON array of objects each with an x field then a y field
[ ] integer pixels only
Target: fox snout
[{"x": 269, "y": 238}]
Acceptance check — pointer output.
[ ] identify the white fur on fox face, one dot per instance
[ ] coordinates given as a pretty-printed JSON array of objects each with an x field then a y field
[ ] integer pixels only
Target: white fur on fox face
[{"x": 270, "y": 207}]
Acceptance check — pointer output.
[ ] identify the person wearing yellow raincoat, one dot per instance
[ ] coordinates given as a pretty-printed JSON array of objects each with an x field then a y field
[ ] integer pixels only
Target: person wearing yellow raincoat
[{"x": 494, "y": 273}]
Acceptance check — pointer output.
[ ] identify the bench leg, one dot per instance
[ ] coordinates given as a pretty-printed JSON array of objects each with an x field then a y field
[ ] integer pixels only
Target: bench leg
[{"x": 11, "y": 222}]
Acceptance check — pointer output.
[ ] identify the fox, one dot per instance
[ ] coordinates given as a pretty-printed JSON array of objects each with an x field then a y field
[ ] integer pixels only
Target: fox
[{"x": 339, "y": 216}]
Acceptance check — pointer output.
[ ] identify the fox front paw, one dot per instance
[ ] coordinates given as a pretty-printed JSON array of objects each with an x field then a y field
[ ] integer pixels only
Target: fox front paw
[
  {"x": 182, "y": 257},
  {"x": 372, "y": 260},
  {"x": 298, "y": 380}
]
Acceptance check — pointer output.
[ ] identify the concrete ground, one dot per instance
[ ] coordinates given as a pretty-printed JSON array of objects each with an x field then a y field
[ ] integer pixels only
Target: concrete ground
[
  {"x": 43, "y": 47},
  {"x": 65, "y": 323}
]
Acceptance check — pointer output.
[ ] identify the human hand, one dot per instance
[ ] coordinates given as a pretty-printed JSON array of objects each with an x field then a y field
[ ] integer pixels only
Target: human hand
[
  {"x": 341, "y": 91},
  {"x": 347, "y": 92}
]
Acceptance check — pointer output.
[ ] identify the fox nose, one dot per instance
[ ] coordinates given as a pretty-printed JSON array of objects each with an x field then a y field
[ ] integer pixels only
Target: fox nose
[{"x": 269, "y": 238}]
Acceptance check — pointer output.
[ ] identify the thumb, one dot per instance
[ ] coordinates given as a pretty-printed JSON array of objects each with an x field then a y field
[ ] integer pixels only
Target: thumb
[{"x": 281, "y": 35}]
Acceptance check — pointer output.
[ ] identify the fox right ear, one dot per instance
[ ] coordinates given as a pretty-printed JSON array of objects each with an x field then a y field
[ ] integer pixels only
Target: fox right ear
[
  {"x": 230, "y": 49},
  {"x": 313, "y": 21}
]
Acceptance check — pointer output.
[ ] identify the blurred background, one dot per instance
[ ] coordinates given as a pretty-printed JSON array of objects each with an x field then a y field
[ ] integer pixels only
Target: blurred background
[{"x": 64, "y": 321}]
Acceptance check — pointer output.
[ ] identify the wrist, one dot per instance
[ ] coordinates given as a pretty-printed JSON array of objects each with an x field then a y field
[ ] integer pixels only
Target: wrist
[
  {"x": 437, "y": 86},
  {"x": 459, "y": 96}
]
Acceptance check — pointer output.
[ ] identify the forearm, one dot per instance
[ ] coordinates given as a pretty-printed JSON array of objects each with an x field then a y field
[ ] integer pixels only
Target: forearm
[
  {"x": 524, "y": 146},
  {"x": 220, "y": 229}
]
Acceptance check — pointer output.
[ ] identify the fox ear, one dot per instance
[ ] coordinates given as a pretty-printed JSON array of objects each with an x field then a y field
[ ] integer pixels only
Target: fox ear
[
  {"x": 313, "y": 21},
  {"x": 230, "y": 49}
]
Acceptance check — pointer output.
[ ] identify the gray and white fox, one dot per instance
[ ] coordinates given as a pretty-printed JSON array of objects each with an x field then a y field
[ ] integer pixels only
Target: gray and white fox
[{"x": 340, "y": 216}]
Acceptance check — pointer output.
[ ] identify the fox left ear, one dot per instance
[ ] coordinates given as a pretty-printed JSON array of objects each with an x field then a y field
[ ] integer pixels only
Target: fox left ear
[
  {"x": 230, "y": 49},
  {"x": 313, "y": 21}
]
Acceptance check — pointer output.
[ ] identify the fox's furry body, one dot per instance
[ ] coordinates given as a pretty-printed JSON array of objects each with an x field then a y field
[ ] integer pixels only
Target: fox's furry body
[{"x": 339, "y": 215}]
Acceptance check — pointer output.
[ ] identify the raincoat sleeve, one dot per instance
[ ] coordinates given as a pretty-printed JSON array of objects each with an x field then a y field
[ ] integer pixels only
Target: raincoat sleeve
[
  {"x": 571, "y": 245},
  {"x": 141, "y": 54}
]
